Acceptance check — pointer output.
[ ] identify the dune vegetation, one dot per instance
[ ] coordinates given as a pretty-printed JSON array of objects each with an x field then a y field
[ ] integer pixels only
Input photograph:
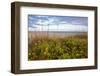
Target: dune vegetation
[{"x": 46, "y": 48}]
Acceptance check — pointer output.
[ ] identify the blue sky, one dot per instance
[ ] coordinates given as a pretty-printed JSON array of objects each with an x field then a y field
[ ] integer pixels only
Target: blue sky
[{"x": 57, "y": 23}]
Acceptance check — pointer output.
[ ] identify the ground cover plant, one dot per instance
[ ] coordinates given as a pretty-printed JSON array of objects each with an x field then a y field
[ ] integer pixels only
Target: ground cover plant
[{"x": 50, "y": 48}]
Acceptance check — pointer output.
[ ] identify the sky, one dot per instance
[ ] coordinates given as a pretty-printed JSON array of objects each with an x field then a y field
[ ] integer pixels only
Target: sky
[{"x": 57, "y": 23}]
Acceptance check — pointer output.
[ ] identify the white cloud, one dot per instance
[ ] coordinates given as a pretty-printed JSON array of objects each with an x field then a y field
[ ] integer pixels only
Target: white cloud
[
  {"x": 48, "y": 21},
  {"x": 61, "y": 27}
]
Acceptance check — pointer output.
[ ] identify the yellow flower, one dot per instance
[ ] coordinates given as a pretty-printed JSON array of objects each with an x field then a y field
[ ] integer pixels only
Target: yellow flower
[
  {"x": 46, "y": 49},
  {"x": 29, "y": 53},
  {"x": 35, "y": 43},
  {"x": 44, "y": 53}
]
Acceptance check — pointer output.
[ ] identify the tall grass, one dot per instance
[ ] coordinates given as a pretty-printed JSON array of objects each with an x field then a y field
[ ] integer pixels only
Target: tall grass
[{"x": 45, "y": 48}]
